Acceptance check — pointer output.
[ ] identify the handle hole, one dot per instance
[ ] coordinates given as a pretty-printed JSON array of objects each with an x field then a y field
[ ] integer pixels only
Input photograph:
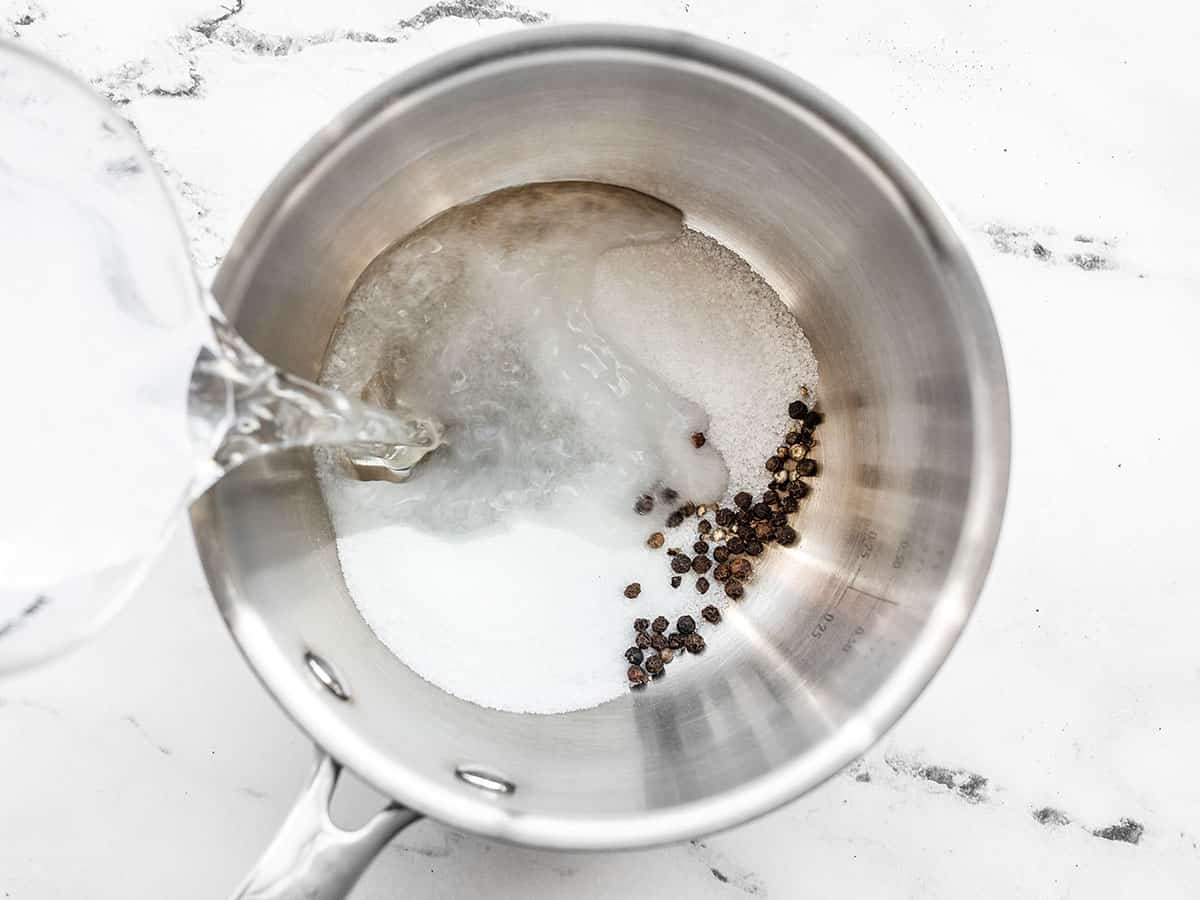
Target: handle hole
[{"x": 354, "y": 802}]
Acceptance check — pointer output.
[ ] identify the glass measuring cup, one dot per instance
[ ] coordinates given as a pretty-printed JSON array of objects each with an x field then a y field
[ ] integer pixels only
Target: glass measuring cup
[{"x": 125, "y": 393}]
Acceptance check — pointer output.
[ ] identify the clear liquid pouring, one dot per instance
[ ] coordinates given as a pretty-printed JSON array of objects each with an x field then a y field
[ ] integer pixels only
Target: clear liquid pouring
[{"x": 125, "y": 393}]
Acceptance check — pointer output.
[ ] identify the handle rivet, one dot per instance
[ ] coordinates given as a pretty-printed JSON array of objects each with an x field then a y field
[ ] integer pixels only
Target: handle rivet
[
  {"x": 485, "y": 779},
  {"x": 325, "y": 674}
]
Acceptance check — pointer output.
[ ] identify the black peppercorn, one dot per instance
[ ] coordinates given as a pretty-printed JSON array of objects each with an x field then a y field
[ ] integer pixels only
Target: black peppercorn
[
  {"x": 637, "y": 677},
  {"x": 722, "y": 572},
  {"x": 700, "y": 547},
  {"x": 764, "y": 530},
  {"x": 789, "y": 504},
  {"x": 725, "y": 517},
  {"x": 655, "y": 540},
  {"x": 702, "y": 585},
  {"x": 676, "y": 581},
  {"x": 660, "y": 624},
  {"x": 669, "y": 495},
  {"x": 799, "y": 489},
  {"x": 686, "y": 625},
  {"x": 658, "y": 641},
  {"x": 770, "y": 497},
  {"x": 681, "y": 563},
  {"x": 634, "y": 655},
  {"x": 701, "y": 564},
  {"x": 778, "y": 518},
  {"x": 654, "y": 666},
  {"x": 736, "y": 545},
  {"x": 704, "y": 526},
  {"x": 741, "y": 568},
  {"x": 806, "y": 467},
  {"x": 734, "y": 589},
  {"x": 694, "y": 643},
  {"x": 642, "y": 640},
  {"x": 644, "y": 504},
  {"x": 792, "y": 438},
  {"x": 785, "y": 535},
  {"x": 773, "y": 463},
  {"x": 675, "y": 519},
  {"x": 742, "y": 500},
  {"x": 688, "y": 510},
  {"x": 641, "y": 624},
  {"x": 675, "y": 640},
  {"x": 721, "y": 554},
  {"x": 632, "y": 590},
  {"x": 743, "y": 517},
  {"x": 711, "y": 614},
  {"x": 813, "y": 419},
  {"x": 698, "y": 439},
  {"x": 797, "y": 409},
  {"x": 760, "y": 511},
  {"x": 753, "y": 548},
  {"x": 804, "y": 437}
]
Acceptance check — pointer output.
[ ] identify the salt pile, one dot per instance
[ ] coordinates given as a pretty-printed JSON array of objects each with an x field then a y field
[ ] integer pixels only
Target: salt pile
[
  {"x": 572, "y": 338},
  {"x": 714, "y": 331}
]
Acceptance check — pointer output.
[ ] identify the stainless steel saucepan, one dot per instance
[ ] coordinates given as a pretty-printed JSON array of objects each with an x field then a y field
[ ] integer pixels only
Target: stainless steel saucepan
[{"x": 842, "y": 632}]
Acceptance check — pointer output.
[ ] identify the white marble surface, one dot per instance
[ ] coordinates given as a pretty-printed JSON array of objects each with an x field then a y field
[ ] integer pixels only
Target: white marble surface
[{"x": 150, "y": 764}]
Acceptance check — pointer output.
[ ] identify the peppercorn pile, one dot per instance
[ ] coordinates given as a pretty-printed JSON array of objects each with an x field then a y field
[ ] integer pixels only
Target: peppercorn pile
[{"x": 727, "y": 539}]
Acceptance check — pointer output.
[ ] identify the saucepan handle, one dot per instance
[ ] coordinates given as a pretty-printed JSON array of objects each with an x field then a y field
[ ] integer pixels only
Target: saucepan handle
[{"x": 313, "y": 859}]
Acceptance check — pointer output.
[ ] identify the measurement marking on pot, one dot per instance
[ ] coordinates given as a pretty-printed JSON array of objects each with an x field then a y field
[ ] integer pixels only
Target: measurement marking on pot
[
  {"x": 858, "y": 632},
  {"x": 831, "y": 613},
  {"x": 829, "y": 616},
  {"x": 822, "y": 625},
  {"x": 861, "y": 628},
  {"x": 870, "y": 596},
  {"x": 870, "y": 536}
]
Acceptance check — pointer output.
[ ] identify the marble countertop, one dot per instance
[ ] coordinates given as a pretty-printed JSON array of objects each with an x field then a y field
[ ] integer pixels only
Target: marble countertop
[{"x": 1055, "y": 754}]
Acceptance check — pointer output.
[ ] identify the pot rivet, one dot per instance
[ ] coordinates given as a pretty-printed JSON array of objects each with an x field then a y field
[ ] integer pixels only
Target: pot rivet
[
  {"x": 324, "y": 673},
  {"x": 485, "y": 779}
]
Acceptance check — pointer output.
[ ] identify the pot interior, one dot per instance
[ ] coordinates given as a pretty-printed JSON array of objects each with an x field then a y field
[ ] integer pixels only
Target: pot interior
[{"x": 840, "y": 633}]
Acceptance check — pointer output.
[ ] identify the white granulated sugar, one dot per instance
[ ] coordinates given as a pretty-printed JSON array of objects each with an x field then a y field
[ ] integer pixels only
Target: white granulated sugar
[
  {"x": 571, "y": 338},
  {"x": 528, "y": 618},
  {"x": 714, "y": 331}
]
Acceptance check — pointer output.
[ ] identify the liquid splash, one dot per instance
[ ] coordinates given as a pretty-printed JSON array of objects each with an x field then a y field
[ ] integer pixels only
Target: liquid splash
[{"x": 241, "y": 407}]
